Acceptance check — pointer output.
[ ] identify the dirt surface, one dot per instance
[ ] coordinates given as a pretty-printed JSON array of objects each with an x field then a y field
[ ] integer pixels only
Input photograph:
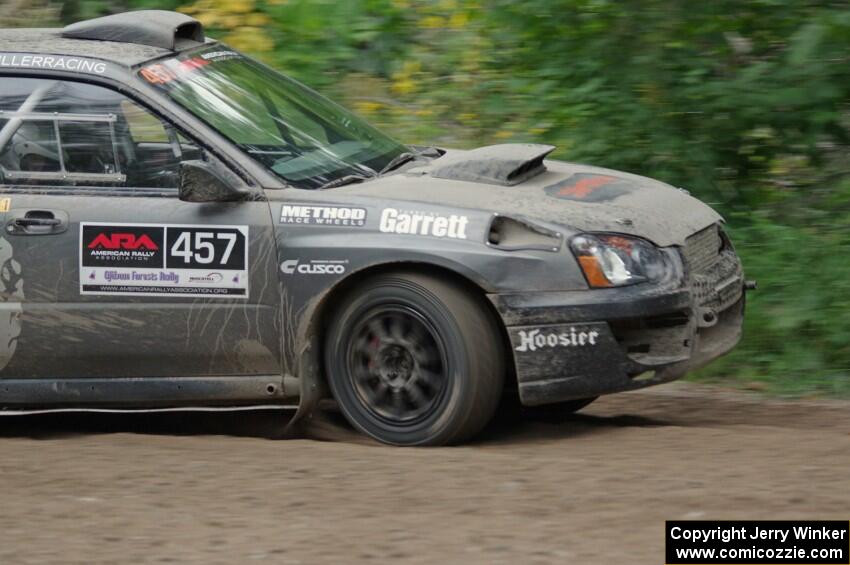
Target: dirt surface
[{"x": 592, "y": 488}]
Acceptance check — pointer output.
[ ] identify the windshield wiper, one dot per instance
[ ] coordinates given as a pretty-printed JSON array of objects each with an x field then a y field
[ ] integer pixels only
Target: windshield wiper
[
  {"x": 398, "y": 161},
  {"x": 407, "y": 156},
  {"x": 342, "y": 181}
]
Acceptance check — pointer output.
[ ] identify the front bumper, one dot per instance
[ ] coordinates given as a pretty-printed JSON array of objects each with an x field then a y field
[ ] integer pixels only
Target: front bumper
[{"x": 582, "y": 344}]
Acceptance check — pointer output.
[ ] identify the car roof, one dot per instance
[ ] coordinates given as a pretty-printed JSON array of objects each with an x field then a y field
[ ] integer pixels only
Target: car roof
[
  {"x": 127, "y": 39},
  {"x": 51, "y": 42}
]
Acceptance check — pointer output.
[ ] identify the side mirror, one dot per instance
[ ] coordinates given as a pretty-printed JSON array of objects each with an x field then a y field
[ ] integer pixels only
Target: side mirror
[{"x": 200, "y": 181}]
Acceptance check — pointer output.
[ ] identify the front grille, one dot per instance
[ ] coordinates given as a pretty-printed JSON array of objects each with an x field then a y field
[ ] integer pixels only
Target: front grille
[
  {"x": 714, "y": 269},
  {"x": 702, "y": 250},
  {"x": 721, "y": 286}
]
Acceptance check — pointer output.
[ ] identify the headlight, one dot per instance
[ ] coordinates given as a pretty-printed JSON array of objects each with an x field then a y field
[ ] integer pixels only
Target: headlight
[{"x": 616, "y": 260}]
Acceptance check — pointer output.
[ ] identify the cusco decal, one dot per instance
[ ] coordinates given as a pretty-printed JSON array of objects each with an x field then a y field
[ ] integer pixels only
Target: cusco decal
[
  {"x": 314, "y": 267},
  {"x": 164, "y": 260}
]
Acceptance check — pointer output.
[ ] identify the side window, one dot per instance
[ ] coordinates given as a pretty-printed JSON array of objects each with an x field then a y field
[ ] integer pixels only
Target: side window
[
  {"x": 144, "y": 127},
  {"x": 62, "y": 133}
]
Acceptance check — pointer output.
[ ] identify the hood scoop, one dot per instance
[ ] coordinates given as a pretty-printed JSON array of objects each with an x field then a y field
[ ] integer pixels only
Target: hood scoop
[
  {"x": 505, "y": 165},
  {"x": 156, "y": 28}
]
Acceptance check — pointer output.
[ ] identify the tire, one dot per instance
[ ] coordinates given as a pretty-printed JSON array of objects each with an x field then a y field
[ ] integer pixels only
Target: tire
[{"x": 413, "y": 360}]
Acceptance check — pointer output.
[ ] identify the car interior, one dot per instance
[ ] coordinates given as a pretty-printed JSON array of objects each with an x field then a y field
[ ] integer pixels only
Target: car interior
[{"x": 62, "y": 133}]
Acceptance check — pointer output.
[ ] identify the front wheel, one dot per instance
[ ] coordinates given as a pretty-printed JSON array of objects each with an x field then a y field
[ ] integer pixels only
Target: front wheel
[{"x": 415, "y": 360}]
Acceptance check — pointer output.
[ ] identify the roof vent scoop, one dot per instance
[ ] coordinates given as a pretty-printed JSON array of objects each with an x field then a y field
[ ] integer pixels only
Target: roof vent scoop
[
  {"x": 156, "y": 28},
  {"x": 508, "y": 164}
]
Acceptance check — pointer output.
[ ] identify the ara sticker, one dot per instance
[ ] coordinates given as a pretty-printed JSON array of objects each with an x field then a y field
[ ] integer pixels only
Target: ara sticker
[
  {"x": 164, "y": 260},
  {"x": 5, "y": 204},
  {"x": 585, "y": 187}
]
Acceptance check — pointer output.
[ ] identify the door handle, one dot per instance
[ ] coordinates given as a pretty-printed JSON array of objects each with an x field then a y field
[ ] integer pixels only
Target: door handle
[
  {"x": 27, "y": 222},
  {"x": 36, "y": 222}
]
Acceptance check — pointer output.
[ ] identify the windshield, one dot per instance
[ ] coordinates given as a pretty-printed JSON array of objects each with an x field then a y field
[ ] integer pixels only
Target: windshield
[{"x": 302, "y": 137}]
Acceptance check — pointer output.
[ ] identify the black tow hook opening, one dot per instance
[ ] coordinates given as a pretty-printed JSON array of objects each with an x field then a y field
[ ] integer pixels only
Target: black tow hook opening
[{"x": 751, "y": 285}]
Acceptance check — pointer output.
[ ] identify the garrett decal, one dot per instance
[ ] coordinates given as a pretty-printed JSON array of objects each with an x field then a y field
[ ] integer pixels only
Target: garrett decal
[
  {"x": 316, "y": 267},
  {"x": 532, "y": 340},
  {"x": 417, "y": 223},
  {"x": 54, "y": 63},
  {"x": 315, "y": 214},
  {"x": 585, "y": 187},
  {"x": 158, "y": 260}
]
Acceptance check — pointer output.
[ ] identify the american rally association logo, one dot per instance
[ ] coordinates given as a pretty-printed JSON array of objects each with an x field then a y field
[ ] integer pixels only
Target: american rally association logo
[
  {"x": 122, "y": 245},
  {"x": 312, "y": 214},
  {"x": 532, "y": 340},
  {"x": 123, "y": 241}
]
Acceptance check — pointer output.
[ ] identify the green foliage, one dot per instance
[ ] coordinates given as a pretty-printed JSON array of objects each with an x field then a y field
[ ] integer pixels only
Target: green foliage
[
  {"x": 797, "y": 332},
  {"x": 747, "y": 104},
  {"x": 20, "y": 13}
]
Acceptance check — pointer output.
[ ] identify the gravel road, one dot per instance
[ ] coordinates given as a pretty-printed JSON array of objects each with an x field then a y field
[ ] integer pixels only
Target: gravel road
[{"x": 593, "y": 488}]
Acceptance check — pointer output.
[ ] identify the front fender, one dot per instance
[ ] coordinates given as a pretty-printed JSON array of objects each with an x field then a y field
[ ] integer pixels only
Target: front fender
[{"x": 316, "y": 260}]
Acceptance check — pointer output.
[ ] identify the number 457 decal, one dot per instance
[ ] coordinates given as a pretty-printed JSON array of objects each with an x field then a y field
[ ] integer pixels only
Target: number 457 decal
[
  {"x": 200, "y": 247},
  {"x": 204, "y": 251},
  {"x": 195, "y": 261}
]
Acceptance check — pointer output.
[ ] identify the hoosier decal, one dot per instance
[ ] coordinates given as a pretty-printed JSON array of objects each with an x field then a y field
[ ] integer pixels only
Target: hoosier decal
[
  {"x": 532, "y": 340},
  {"x": 162, "y": 260}
]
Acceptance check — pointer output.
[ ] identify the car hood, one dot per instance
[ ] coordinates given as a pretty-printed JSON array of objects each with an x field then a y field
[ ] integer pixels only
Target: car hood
[{"x": 580, "y": 197}]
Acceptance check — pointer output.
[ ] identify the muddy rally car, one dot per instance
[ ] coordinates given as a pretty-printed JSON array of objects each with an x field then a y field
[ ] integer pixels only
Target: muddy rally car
[{"x": 183, "y": 227}]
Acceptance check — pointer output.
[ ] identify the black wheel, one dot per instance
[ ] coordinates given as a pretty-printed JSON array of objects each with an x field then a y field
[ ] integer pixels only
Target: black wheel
[{"x": 414, "y": 360}]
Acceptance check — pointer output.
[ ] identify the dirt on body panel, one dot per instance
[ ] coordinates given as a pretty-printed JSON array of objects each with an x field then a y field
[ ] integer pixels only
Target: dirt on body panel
[{"x": 11, "y": 297}]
